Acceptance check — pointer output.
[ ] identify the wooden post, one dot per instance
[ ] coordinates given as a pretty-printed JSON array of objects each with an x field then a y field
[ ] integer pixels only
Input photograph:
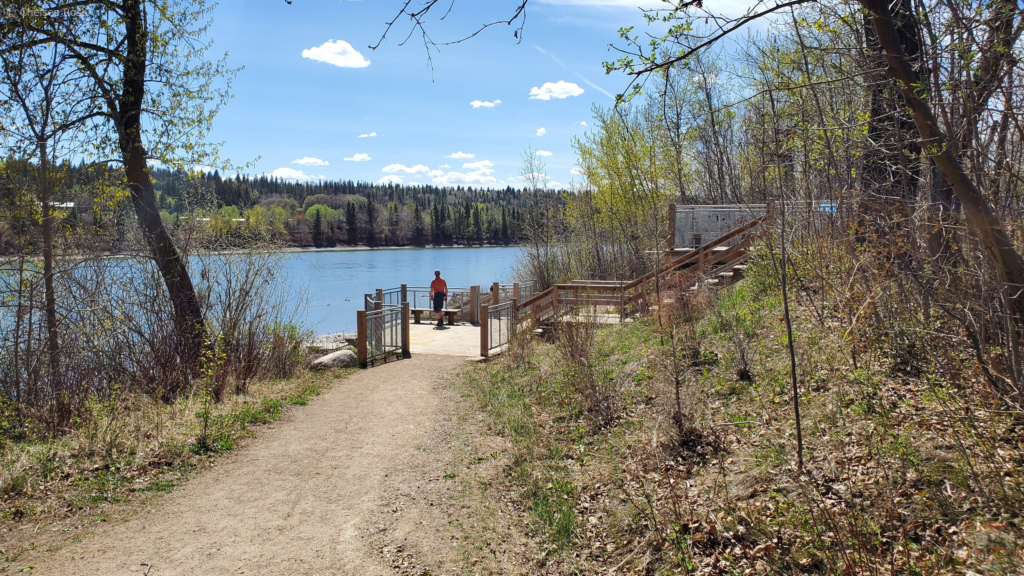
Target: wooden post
[
  {"x": 405, "y": 293},
  {"x": 361, "y": 337},
  {"x": 474, "y": 304},
  {"x": 378, "y": 301},
  {"x": 405, "y": 327},
  {"x": 671, "y": 226},
  {"x": 700, "y": 259},
  {"x": 485, "y": 333},
  {"x": 513, "y": 323},
  {"x": 495, "y": 292},
  {"x": 515, "y": 290},
  {"x": 622, "y": 305}
]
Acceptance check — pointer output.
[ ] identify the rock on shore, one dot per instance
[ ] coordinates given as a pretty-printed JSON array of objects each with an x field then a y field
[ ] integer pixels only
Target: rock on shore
[{"x": 339, "y": 359}]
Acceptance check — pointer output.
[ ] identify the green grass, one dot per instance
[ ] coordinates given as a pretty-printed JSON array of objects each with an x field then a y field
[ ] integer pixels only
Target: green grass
[
  {"x": 159, "y": 485},
  {"x": 507, "y": 405},
  {"x": 554, "y": 508}
]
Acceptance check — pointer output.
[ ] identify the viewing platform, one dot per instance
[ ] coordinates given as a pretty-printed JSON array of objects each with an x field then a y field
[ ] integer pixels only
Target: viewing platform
[{"x": 707, "y": 246}]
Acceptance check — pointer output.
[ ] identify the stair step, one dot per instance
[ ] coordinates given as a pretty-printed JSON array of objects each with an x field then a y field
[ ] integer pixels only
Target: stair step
[
  {"x": 725, "y": 274},
  {"x": 740, "y": 267}
]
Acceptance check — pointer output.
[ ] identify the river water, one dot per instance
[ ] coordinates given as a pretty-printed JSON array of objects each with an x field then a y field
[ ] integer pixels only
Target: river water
[{"x": 334, "y": 281}]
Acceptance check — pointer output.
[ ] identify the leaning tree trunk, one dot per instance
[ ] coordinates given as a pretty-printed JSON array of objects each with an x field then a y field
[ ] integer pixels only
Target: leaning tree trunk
[
  {"x": 890, "y": 171},
  {"x": 977, "y": 210},
  {"x": 188, "y": 315}
]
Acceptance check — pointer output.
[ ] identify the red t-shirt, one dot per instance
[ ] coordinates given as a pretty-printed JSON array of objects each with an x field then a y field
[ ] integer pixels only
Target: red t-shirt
[{"x": 438, "y": 285}]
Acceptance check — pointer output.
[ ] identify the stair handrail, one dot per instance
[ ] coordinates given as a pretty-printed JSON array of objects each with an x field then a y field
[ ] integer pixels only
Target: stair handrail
[
  {"x": 623, "y": 287},
  {"x": 696, "y": 252}
]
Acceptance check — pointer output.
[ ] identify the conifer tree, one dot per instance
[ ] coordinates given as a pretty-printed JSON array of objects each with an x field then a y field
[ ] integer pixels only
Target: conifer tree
[
  {"x": 371, "y": 221},
  {"x": 351, "y": 223},
  {"x": 418, "y": 226}
]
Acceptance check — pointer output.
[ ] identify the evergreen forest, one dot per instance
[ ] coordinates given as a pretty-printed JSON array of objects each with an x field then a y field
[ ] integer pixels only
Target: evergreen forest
[{"x": 242, "y": 211}]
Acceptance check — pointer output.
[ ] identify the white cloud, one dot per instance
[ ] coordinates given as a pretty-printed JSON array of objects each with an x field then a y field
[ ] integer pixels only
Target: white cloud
[
  {"x": 480, "y": 177},
  {"x": 460, "y": 155},
  {"x": 292, "y": 174},
  {"x": 554, "y": 184},
  {"x": 370, "y": 135},
  {"x": 484, "y": 104},
  {"x": 337, "y": 53},
  {"x": 583, "y": 123},
  {"x": 576, "y": 171},
  {"x": 544, "y": 153},
  {"x": 392, "y": 179},
  {"x": 360, "y": 157},
  {"x": 560, "y": 90},
  {"x": 578, "y": 75},
  {"x": 481, "y": 165},
  {"x": 444, "y": 166},
  {"x": 541, "y": 131},
  {"x": 310, "y": 161},
  {"x": 417, "y": 169}
]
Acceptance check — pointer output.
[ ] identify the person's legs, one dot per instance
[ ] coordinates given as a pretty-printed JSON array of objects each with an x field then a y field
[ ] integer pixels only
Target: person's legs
[{"x": 438, "y": 306}]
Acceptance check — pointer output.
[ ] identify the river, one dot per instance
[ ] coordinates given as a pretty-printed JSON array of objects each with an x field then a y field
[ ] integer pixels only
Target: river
[{"x": 335, "y": 281}]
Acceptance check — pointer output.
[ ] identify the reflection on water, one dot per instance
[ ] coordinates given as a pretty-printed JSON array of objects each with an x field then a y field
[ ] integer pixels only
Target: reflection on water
[{"x": 335, "y": 281}]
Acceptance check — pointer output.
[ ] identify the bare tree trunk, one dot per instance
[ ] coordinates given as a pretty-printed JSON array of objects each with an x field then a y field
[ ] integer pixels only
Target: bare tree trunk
[
  {"x": 977, "y": 210},
  {"x": 49, "y": 297},
  {"x": 789, "y": 338},
  {"x": 891, "y": 171},
  {"x": 188, "y": 315}
]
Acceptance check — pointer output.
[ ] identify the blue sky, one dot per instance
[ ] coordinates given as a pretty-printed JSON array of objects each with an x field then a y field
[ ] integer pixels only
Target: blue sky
[{"x": 305, "y": 96}]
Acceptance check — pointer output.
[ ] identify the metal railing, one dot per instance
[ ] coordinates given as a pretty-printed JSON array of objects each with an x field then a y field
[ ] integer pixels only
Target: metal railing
[
  {"x": 526, "y": 290},
  {"x": 418, "y": 297},
  {"x": 497, "y": 325},
  {"x": 391, "y": 297},
  {"x": 382, "y": 333},
  {"x": 506, "y": 292}
]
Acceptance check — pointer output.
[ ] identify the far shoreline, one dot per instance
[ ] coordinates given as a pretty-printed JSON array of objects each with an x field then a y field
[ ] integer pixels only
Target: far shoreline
[{"x": 301, "y": 249}]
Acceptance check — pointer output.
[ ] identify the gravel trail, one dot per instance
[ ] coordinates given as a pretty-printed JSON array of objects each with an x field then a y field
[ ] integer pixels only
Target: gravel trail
[{"x": 301, "y": 498}]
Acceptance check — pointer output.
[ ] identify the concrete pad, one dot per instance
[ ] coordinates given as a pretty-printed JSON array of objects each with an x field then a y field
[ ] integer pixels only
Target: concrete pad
[{"x": 462, "y": 339}]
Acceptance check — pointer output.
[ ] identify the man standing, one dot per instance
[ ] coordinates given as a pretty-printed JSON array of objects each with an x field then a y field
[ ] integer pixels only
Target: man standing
[{"x": 438, "y": 295}]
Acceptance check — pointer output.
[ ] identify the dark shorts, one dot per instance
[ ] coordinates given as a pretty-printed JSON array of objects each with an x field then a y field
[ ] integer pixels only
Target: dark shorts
[{"x": 438, "y": 302}]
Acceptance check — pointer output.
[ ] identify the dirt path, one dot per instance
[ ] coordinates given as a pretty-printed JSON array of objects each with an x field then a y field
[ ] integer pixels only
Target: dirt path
[{"x": 300, "y": 499}]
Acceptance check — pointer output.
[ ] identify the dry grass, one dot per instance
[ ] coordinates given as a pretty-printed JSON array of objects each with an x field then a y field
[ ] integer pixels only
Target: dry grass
[
  {"x": 125, "y": 450},
  {"x": 905, "y": 473}
]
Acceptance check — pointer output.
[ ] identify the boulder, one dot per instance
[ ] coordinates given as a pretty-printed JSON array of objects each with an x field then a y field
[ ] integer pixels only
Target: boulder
[{"x": 339, "y": 359}]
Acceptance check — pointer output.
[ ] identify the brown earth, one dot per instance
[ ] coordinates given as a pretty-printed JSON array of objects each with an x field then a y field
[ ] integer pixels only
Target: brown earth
[{"x": 354, "y": 483}]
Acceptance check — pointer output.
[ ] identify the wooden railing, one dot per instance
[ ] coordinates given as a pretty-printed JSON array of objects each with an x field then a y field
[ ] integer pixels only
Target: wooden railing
[{"x": 629, "y": 298}]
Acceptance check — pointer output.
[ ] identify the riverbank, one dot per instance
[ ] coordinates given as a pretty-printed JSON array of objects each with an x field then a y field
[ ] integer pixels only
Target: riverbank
[
  {"x": 301, "y": 249},
  {"x": 36, "y": 258}
]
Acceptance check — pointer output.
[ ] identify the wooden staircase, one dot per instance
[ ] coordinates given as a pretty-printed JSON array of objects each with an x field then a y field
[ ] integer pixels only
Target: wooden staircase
[{"x": 712, "y": 264}]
